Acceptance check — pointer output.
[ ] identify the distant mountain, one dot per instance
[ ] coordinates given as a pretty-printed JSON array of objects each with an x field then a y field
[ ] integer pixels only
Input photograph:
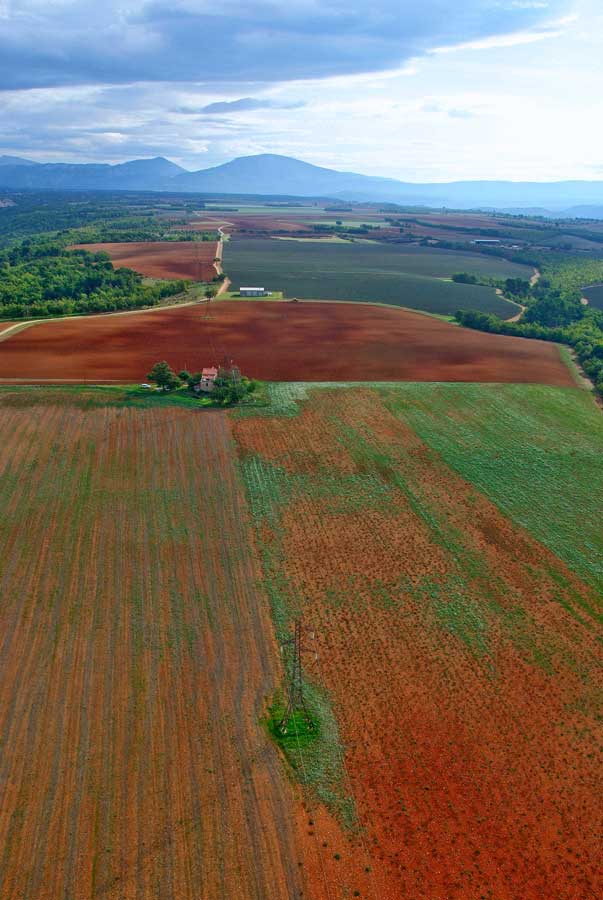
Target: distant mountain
[
  {"x": 16, "y": 161},
  {"x": 270, "y": 174},
  {"x": 584, "y": 212},
  {"x": 139, "y": 174}
]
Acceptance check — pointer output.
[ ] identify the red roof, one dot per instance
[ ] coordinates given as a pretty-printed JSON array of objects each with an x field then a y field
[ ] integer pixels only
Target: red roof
[{"x": 210, "y": 372}]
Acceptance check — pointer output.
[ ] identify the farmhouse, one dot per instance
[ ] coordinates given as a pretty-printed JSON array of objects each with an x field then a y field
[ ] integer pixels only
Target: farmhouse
[
  {"x": 208, "y": 377},
  {"x": 252, "y": 292}
]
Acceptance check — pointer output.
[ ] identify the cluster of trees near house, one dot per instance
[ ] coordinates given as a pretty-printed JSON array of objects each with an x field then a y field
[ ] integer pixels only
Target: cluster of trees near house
[
  {"x": 39, "y": 278},
  {"x": 230, "y": 386}
]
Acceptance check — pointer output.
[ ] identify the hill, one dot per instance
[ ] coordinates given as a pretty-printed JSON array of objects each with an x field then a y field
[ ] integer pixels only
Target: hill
[
  {"x": 268, "y": 173},
  {"x": 272, "y": 174},
  {"x": 275, "y": 175},
  {"x": 138, "y": 174},
  {"x": 16, "y": 161}
]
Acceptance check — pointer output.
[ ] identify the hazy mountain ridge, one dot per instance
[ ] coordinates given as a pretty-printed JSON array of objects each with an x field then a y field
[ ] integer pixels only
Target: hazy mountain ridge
[
  {"x": 16, "y": 161},
  {"x": 137, "y": 174},
  {"x": 271, "y": 174}
]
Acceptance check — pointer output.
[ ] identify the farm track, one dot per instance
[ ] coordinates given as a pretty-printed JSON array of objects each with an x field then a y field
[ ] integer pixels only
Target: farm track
[
  {"x": 279, "y": 341},
  {"x": 461, "y": 661},
  {"x": 7, "y": 330},
  {"x": 136, "y": 653}
]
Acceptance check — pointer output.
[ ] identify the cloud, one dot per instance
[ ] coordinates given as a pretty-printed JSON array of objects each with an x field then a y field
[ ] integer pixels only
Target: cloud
[
  {"x": 247, "y": 104},
  {"x": 514, "y": 39},
  {"x": 252, "y": 41},
  {"x": 452, "y": 112}
]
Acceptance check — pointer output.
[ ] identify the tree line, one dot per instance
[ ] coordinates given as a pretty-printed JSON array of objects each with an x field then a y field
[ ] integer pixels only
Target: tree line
[
  {"x": 553, "y": 319},
  {"x": 555, "y": 310},
  {"x": 41, "y": 278}
]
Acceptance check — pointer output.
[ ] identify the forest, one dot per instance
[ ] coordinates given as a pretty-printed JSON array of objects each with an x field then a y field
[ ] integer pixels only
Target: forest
[{"x": 40, "y": 278}]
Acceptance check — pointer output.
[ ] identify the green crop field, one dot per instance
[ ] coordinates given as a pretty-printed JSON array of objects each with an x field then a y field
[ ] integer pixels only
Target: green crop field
[
  {"x": 534, "y": 450},
  {"x": 398, "y": 275}
]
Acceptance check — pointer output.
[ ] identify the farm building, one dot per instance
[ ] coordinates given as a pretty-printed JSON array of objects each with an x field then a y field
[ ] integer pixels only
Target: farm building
[
  {"x": 208, "y": 377},
  {"x": 487, "y": 241},
  {"x": 252, "y": 292}
]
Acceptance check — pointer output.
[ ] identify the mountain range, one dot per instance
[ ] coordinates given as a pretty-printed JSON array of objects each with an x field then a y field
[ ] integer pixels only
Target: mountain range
[{"x": 273, "y": 175}]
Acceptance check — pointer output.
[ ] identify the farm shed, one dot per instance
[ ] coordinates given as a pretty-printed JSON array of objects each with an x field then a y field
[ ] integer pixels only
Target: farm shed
[{"x": 252, "y": 292}]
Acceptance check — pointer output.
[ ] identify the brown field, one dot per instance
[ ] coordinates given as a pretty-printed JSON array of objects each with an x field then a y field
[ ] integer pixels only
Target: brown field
[
  {"x": 466, "y": 685},
  {"x": 136, "y": 655},
  {"x": 5, "y": 325},
  {"x": 278, "y": 341},
  {"x": 267, "y": 224},
  {"x": 162, "y": 259}
]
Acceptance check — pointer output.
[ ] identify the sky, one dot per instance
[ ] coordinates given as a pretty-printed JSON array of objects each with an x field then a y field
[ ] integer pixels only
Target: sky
[{"x": 435, "y": 90}]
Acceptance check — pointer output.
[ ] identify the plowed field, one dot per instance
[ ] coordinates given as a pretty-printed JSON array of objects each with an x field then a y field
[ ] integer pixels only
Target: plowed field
[
  {"x": 462, "y": 657},
  {"x": 162, "y": 259},
  {"x": 136, "y": 652},
  {"x": 253, "y": 224},
  {"x": 281, "y": 342}
]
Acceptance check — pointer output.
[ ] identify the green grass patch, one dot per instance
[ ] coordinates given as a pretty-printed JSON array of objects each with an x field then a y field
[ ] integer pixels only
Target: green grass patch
[
  {"x": 314, "y": 755},
  {"x": 98, "y": 396}
]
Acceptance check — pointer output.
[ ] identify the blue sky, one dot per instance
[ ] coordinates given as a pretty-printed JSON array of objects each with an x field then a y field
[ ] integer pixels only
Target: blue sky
[{"x": 431, "y": 90}]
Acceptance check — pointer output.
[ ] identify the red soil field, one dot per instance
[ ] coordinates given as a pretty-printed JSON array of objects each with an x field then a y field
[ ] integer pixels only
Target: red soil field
[
  {"x": 162, "y": 259},
  {"x": 5, "y": 325},
  {"x": 257, "y": 224},
  {"x": 265, "y": 224},
  {"x": 467, "y": 693},
  {"x": 136, "y": 655},
  {"x": 280, "y": 341}
]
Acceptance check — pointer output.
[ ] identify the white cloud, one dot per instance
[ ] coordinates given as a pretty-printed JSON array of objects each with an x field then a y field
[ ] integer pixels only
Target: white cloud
[{"x": 514, "y": 39}]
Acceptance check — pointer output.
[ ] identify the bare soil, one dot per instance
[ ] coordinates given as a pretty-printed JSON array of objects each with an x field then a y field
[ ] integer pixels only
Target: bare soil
[
  {"x": 281, "y": 341},
  {"x": 162, "y": 259}
]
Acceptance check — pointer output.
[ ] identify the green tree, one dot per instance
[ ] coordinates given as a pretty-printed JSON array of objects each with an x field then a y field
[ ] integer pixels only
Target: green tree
[{"x": 163, "y": 376}]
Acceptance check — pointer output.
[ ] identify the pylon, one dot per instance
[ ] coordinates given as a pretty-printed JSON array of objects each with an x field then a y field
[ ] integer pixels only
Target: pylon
[{"x": 295, "y": 693}]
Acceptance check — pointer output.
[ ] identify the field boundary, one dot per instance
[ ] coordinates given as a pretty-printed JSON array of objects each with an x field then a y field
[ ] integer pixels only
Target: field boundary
[{"x": 116, "y": 312}]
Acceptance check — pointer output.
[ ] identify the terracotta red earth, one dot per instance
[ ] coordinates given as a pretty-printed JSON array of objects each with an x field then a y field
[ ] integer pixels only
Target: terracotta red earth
[
  {"x": 162, "y": 259},
  {"x": 475, "y": 766},
  {"x": 280, "y": 341}
]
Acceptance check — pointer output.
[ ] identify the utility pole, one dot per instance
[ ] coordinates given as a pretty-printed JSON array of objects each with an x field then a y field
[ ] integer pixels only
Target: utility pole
[{"x": 295, "y": 691}]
